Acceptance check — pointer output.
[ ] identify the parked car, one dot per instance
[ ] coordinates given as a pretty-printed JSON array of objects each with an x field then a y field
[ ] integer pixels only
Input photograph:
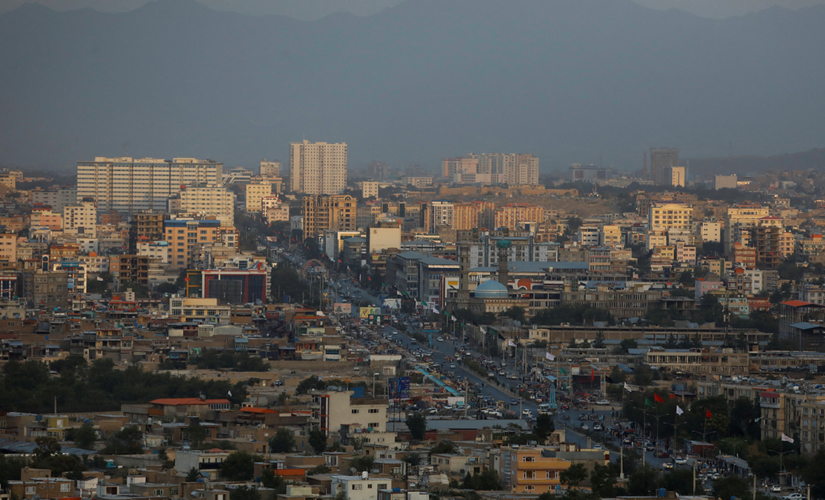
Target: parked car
[
  {"x": 794, "y": 496},
  {"x": 775, "y": 489},
  {"x": 584, "y": 427},
  {"x": 597, "y": 427},
  {"x": 667, "y": 465},
  {"x": 602, "y": 402}
]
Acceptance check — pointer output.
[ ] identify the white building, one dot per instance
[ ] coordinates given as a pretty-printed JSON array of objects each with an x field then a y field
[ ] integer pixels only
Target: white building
[
  {"x": 589, "y": 235},
  {"x": 441, "y": 214},
  {"x": 369, "y": 189},
  {"x": 209, "y": 200},
  {"x": 359, "y": 487},
  {"x": 317, "y": 168},
  {"x": 710, "y": 231},
  {"x": 155, "y": 249},
  {"x": 273, "y": 211},
  {"x": 334, "y": 409},
  {"x": 270, "y": 168},
  {"x": 130, "y": 185},
  {"x": 80, "y": 218}
]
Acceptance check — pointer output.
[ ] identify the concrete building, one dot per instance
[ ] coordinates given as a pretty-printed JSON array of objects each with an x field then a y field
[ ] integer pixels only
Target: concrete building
[
  {"x": 369, "y": 189},
  {"x": 666, "y": 216},
  {"x": 317, "y": 168},
  {"x": 589, "y": 235},
  {"x": 418, "y": 182},
  {"x": 329, "y": 212},
  {"x": 513, "y": 214},
  {"x": 710, "y": 231},
  {"x": 47, "y": 217},
  {"x": 359, "y": 487},
  {"x": 273, "y": 210},
  {"x": 773, "y": 243},
  {"x": 155, "y": 250},
  {"x": 725, "y": 182},
  {"x": 255, "y": 192},
  {"x": 675, "y": 176},
  {"x": 270, "y": 168},
  {"x": 740, "y": 219},
  {"x": 661, "y": 159},
  {"x": 129, "y": 185},
  {"x": 55, "y": 198},
  {"x": 610, "y": 236},
  {"x": 186, "y": 237},
  {"x": 81, "y": 219},
  {"x": 214, "y": 201},
  {"x": 383, "y": 236},
  {"x": 441, "y": 213},
  {"x": 333, "y": 409},
  {"x": 526, "y": 469},
  {"x": 473, "y": 215},
  {"x": 8, "y": 247}
]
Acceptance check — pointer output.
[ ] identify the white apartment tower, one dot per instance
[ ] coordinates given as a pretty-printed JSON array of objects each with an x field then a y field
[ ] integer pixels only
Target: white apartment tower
[
  {"x": 318, "y": 167},
  {"x": 81, "y": 218},
  {"x": 130, "y": 185}
]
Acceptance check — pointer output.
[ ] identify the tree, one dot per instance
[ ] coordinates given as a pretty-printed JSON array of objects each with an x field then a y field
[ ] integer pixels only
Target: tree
[
  {"x": 731, "y": 486},
  {"x": 310, "y": 383},
  {"x": 165, "y": 288},
  {"x": 239, "y": 466},
  {"x": 617, "y": 375},
  {"x": 282, "y": 442},
  {"x": 627, "y": 344},
  {"x": 84, "y": 436},
  {"x": 443, "y": 448},
  {"x": 244, "y": 493},
  {"x": 321, "y": 469},
  {"x": 599, "y": 342},
  {"x": 46, "y": 447},
  {"x": 643, "y": 481},
  {"x": 362, "y": 463},
  {"x": 681, "y": 481},
  {"x": 417, "y": 425},
  {"x": 602, "y": 479},
  {"x": 642, "y": 375},
  {"x": 544, "y": 426},
  {"x": 574, "y": 475},
  {"x": 196, "y": 434},
  {"x": 141, "y": 292},
  {"x": 486, "y": 481},
  {"x": 128, "y": 441},
  {"x": 814, "y": 474},
  {"x": 193, "y": 475},
  {"x": 516, "y": 313},
  {"x": 318, "y": 441}
]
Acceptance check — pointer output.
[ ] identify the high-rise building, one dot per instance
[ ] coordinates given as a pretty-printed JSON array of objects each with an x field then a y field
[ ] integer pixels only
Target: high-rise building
[
  {"x": 187, "y": 237},
  {"x": 255, "y": 191},
  {"x": 675, "y": 176},
  {"x": 214, "y": 201},
  {"x": 55, "y": 198},
  {"x": 475, "y": 214},
  {"x": 329, "y": 212},
  {"x": 317, "y": 168},
  {"x": 441, "y": 213},
  {"x": 81, "y": 218},
  {"x": 270, "y": 168},
  {"x": 739, "y": 220},
  {"x": 660, "y": 160},
  {"x": 496, "y": 168},
  {"x": 513, "y": 214},
  {"x": 129, "y": 185}
]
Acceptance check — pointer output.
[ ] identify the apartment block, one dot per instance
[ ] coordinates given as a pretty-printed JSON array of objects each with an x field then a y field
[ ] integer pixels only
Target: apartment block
[
  {"x": 661, "y": 160},
  {"x": 674, "y": 176},
  {"x": 130, "y": 185},
  {"x": 187, "y": 237},
  {"x": 513, "y": 214},
  {"x": 710, "y": 231},
  {"x": 273, "y": 211},
  {"x": 329, "y": 212},
  {"x": 441, "y": 213},
  {"x": 81, "y": 219},
  {"x": 526, "y": 469},
  {"x": 741, "y": 218},
  {"x": 476, "y": 214},
  {"x": 369, "y": 189},
  {"x": 666, "y": 216},
  {"x": 318, "y": 168},
  {"x": 255, "y": 191},
  {"x": 55, "y": 198},
  {"x": 331, "y": 410},
  {"x": 215, "y": 201},
  {"x": 270, "y": 168},
  {"x": 8, "y": 247}
]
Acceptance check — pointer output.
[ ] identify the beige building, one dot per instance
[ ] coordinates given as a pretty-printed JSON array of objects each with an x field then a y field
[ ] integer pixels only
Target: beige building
[
  {"x": 660, "y": 160},
  {"x": 273, "y": 210},
  {"x": 666, "y": 216},
  {"x": 512, "y": 214},
  {"x": 8, "y": 247},
  {"x": 741, "y": 219},
  {"x": 317, "y": 168},
  {"x": 610, "y": 236},
  {"x": 186, "y": 238},
  {"x": 383, "y": 236},
  {"x": 331, "y": 410},
  {"x": 130, "y": 185},
  {"x": 329, "y": 212},
  {"x": 210, "y": 201},
  {"x": 270, "y": 168},
  {"x": 724, "y": 362},
  {"x": 254, "y": 193},
  {"x": 676, "y": 176},
  {"x": 369, "y": 189},
  {"x": 81, "y": 218}
]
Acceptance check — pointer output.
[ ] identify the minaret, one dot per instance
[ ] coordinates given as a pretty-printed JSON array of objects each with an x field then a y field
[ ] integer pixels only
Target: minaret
[
  {"x": 464, "y": 278},
  {"x": 503, "y": 270}
]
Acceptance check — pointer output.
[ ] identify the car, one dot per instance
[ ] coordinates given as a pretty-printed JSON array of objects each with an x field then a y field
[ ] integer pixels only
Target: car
[
  {"x": 452, "y": 365},
  {"x": 681, "y": 461},
  {"x": 667, "y": 465},
  {"x": 794, "y": 496},
  {"x": 597, "y": 446},
  {"x": 775, "y": 489},
  {"x": 597, "y": 427},
  {"x": 513, "y": 402},
  {"x": 584, "y": 427},
  {"x": 440, "y": 339},
  {"x": 526, "y": 413},
  {"x": 279, "y": 383},
  {"x": 501, "y": 372},
  {"x": 603, "y": 402}
]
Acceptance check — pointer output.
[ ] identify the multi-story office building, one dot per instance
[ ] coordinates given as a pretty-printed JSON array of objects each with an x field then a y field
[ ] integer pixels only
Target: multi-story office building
[
  {"x": 740, "y": 219},
  {"x": 675, "y": 176},
  {"x": 270, "y": 168},
  {"x": 661, "y": 159},
  {"x": 129, "y": 185},
  {"x": 81, "y": 218},
  {"x": 154, "y": 250},
  {"x": 329, "y": 212},
  {"x": 187, "y": 237},
  {"x": 485, "y": 253},
  {"x": 513, "y": 214},
  {"x": 441, "y": 213},
  {"x": 666, "y": 216},
  {"x": 214, "y": 201},
  {"x": 55, "y": 198},
  {"x": 317, "y": 168},
  {"x": 255, "y": 191},
  {"x": 496, "y": 168},
  {"x": 8, "y": 247},
  {"x": 47, "y": 217}
]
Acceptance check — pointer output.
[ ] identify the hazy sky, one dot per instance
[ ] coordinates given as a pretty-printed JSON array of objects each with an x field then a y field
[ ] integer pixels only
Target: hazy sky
[{"x": 313, "y": 9}]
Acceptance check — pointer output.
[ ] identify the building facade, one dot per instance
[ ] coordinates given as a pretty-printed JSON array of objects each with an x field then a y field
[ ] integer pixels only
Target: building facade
[{"x": 317, "y": 168}]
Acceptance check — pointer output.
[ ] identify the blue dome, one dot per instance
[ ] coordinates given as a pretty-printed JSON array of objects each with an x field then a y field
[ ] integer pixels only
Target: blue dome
[{"x": 491, "y": 289}]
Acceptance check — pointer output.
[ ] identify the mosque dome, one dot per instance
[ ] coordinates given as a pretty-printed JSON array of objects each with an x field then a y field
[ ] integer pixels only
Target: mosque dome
[{"x": 491, "y": 289}]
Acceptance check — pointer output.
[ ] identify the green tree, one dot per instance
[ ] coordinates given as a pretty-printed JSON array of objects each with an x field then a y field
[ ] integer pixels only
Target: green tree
[
  {"x": 599, "y": 342},
  {"x": 46, "y": 447},
  {"x": 362, "y": 463},
  {"x": 318, "y": 441},
  {"x": 127, "y": 441},
  {"x": 731, "y": 486},
  {"x": 84, "y": 436},
  {"x": 193, "y": 475},
  {"x": 681, "y": 481},
  {"x": 627, "y": 344},
  {"x": 306, "y": 385},
  {"x": 602, "y": 479},
  {"x": 443, "y": 448},
  {"x": 244, "y": 493},
  {"x": 321, "y": 469},
  {"x": 282, "y": 442},
  {"x": 417, "y": 424},
  {"x": 814, "y": 475},
  {"x": 643, "y": 481},
  {"x": 486, "y": 481},
  {"x": 196, "y": 434},
  {"x": 239, "y": 466},
  {"x": 141, "y": 292},
  {"x": 573, "y": 476},
  {"x": 642, "y": 375},
  {"x": 544, "y": 426},
  {"x": 516, "y": 313}
]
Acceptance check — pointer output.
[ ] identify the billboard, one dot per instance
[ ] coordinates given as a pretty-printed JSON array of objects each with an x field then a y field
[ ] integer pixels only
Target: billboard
[
  {"x": 392, "y": 303},
  {"x": 399, "y": 388},
  {"x": 366, "y": 312},
  {"x": 342, "y": 308}
]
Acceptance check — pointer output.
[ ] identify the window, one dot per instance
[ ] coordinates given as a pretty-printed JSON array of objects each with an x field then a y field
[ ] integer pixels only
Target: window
[
  {"x": 31, "y": 490},
  {"x": 354, "y": 412},
  {"x": 373, "y": 410},
  {"x": 357, "y": 486},
  {"x": 158, "y": 493},
  {"x": 64, "y": 487}
]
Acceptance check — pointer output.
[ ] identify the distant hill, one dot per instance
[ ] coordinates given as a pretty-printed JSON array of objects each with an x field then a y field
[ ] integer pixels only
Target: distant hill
[
  {"x": 588, "y": 81},
  {"x": 742, "y": 165}
]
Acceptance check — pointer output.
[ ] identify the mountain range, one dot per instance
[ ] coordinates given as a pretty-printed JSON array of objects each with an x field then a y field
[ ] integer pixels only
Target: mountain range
[{"x": 588, "y": 81}]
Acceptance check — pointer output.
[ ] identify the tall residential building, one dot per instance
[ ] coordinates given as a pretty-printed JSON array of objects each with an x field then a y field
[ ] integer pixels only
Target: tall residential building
[
  {"x": 255, "y": 191},
  {"x": 317, "y": 168},
  {"x": 441, "y": 213},
  {"x": 496, "y": 168},
  {"x": 129, "y": 185},
  {"x": 55, "y": 198},
  {"x": 773, "y": 243},
  {"x": 329, "y": 212},
  {"x": 667, "y": 216},
  {"x": 675, "y": 176},
  {"x": 210, "y": 201},
  {"x": 270, "y": 168},
  {"x": 513, "y": 214},
  {"x": 8, "y": 247},
  {"x": 369, "y": 189},
  {"x": 472, "y": 215},
  {"x": 187, "y": 237},
  {"x": 81, "y": 218},
  {"x": 660, "y": 160},
  {"x": 740, "y": 219}
]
